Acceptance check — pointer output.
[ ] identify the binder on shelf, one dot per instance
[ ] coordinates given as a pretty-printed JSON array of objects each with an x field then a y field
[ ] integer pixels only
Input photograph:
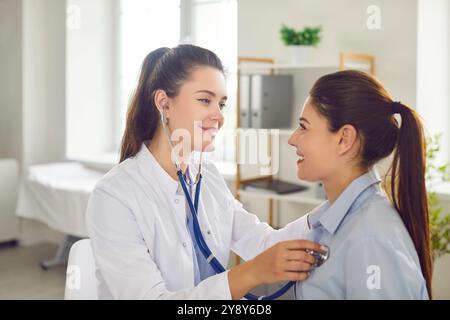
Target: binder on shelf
[
  {"x": 273, "y": 186},
  {"x": 271, "y": 101},
  {"x": 245, "y": 91},
  {"x": 266, "y": 101}
]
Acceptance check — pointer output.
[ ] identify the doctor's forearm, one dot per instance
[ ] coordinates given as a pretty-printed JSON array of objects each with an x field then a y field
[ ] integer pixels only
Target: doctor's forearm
[{"x": 241, "y": 279}]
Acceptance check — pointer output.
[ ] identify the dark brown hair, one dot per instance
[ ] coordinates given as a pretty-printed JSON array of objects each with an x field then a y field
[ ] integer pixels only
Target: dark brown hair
[
  {"x": 165, "y": 69},
  {"x": 356, "y": 98}
]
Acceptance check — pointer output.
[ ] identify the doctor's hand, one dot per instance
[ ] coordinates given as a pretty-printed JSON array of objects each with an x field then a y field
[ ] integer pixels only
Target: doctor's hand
[{"x": 285, "y": 261}]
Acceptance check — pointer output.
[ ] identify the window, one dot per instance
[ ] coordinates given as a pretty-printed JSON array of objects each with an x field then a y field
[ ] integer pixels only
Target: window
[{"x": 144, "y": 25}]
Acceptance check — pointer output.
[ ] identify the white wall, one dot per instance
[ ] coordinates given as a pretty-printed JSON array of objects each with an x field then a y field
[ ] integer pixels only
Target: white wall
[
  {"x": 11, "y": 79},
  {"x": 43, "y": 81},
  {"x": 90, "y": 78},
  {"x": 344, "y": 29},
  {"x": 433, "y": 99},
  {"x": 32, "y": 82},
  {"x": 433, "y": 80}
]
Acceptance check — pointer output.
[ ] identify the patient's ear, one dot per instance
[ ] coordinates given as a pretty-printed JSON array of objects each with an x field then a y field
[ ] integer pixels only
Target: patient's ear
[{"x": 347, "y": 136}]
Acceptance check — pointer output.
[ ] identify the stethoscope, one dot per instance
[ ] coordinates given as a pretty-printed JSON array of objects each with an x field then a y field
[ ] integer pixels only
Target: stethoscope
[{"x": 320, "y": 257}]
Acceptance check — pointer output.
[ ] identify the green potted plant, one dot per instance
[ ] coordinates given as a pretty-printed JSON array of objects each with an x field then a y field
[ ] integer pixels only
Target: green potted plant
[{"x": 301, "y": 43}]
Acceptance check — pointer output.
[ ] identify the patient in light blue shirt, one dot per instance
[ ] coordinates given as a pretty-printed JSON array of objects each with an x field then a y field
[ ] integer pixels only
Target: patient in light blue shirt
[
  {"x": 371, "y": 253},
  {"x": 380, "y": 246}
]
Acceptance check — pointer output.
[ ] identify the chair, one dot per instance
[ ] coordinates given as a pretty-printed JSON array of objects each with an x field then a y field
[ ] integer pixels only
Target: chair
[{"x": 81, "y": 283}]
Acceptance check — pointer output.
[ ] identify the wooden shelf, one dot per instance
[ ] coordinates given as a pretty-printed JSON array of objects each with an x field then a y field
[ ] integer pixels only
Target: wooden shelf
[{"x": 259, "y": 66}]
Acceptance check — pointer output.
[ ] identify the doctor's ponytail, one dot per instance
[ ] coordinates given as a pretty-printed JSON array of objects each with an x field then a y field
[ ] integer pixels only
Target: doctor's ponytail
[
  {"x": 166, "y": 69},
  {"x": 356, "y": 98}
]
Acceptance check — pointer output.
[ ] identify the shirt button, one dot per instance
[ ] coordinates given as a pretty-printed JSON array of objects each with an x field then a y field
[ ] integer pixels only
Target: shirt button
[{"x": 177, "y": 201}]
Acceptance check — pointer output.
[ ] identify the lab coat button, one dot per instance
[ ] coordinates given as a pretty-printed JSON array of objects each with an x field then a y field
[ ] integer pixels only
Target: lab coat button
[
  {"x": 208, "y": 232},
  {"x": 177, "y": 201},
  {"x": 184, "y": 244}
]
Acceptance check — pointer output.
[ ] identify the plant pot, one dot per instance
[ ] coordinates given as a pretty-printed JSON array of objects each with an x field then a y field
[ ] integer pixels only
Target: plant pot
[{"x": 301, "y": 54}]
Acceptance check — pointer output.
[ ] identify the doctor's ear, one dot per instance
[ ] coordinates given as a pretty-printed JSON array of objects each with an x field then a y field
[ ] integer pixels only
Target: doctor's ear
[
  {"x": 161, "y": 101},
  {"x": 348, "y": 136}
]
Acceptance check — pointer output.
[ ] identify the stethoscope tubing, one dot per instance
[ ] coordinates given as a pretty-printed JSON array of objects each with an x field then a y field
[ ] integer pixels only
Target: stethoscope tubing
[{"x": 210, "y": 258}]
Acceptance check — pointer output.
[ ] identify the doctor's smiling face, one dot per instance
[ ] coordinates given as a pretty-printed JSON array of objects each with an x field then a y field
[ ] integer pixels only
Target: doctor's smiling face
[
  {"x": 195, "y": 114},
  {"x": 321, "y": 152},
  {"x": 180, "y": 95}
]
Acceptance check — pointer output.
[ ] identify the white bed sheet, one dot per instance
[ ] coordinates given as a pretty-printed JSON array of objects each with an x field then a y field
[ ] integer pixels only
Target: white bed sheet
[{"x": 57, "y": 195}]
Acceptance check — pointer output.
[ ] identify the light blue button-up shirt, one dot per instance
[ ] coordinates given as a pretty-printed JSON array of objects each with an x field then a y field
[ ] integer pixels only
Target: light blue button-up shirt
[{"x": 372, "y": 255}]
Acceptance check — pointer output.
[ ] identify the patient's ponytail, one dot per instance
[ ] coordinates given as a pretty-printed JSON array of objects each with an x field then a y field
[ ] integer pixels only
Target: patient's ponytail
[
  {"x": 408, "y": 190},
  {"x": 356, "y": 98},
  {"x": 166, "y": 69}
]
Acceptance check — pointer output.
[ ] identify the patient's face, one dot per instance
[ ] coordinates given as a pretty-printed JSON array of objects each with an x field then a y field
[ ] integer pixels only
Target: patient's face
[
  {"x": 197, "y": 110},
  {"x": 315, "y": 144}
]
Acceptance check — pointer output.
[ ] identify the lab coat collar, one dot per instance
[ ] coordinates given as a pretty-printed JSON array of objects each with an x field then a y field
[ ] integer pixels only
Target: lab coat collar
[
  {"x": 331, "y": 216},
  {"x": 170, "y": 185},
  {"x": 157, "y": 173}
]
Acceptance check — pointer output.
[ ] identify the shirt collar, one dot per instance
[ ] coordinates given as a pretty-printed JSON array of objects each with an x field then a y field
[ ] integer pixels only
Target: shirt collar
[{"x": 331, "y": 216}]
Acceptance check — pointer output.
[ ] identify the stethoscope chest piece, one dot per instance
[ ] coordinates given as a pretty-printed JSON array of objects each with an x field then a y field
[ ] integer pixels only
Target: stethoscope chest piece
[{"x": 320, "y": 256}]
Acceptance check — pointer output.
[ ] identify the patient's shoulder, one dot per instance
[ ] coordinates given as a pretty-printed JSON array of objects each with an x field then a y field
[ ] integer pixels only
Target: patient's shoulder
[{"x": 377, "y": 218}]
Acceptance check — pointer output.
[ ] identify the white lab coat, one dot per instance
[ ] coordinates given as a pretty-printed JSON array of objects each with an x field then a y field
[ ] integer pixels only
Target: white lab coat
[{"x": 142, "y": 247}]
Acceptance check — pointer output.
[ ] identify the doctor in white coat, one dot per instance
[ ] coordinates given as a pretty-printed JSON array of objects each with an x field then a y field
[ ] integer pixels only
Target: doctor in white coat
[{"x": 138, "y": 221}]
